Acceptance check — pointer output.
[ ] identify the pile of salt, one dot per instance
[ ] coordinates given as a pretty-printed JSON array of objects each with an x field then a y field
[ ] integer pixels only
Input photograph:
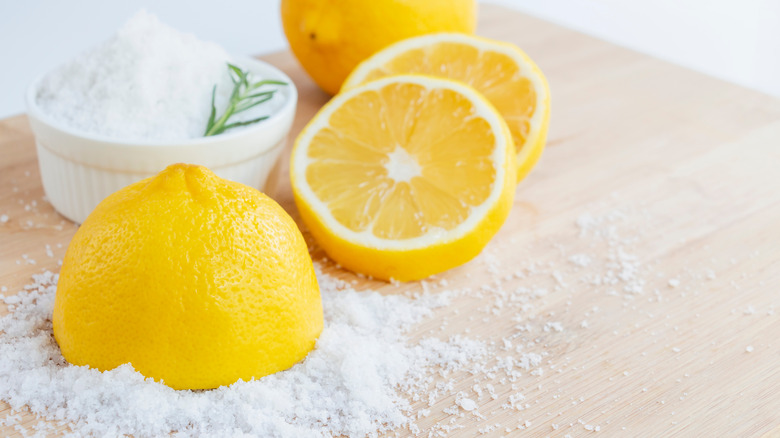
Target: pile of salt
[{"x": 147, "y": 82}]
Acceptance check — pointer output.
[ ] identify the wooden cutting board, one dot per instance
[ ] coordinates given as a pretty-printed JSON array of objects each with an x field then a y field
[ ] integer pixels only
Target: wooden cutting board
[{"x": 689, "y": 167}]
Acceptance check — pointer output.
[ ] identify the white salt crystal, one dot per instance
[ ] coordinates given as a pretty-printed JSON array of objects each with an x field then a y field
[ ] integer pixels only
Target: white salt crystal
[
  {"x": 3, "y": 218},
  {"x": 149, "y": 81},
  {"x": 467, "y": 404},
  {"x": 559, "y": 278},
  {"x": 553, "y": 326},
  {"x": 749, "y": 349},
  {"x": 581, "y": 260}
]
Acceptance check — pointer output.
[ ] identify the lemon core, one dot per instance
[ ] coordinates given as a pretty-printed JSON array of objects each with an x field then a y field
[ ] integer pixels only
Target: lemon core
[{"x": 402, "y": 166}]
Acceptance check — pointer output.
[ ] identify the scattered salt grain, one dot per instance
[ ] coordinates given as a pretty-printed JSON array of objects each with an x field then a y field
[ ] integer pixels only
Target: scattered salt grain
[
  {"x": 467, "y": 404},
  {"x": 405, "y": 380},
  {"x": 3, "y": 218},
  {"x": 559, "y": 279},
  {"x": 749, "y": 349},
  {"x": 581, "y": 260},
  {"x": 553, "y": 326},
  {"x": 673, "y": 282},
  {"x": 149, "y": 81},
  {"x": 354, "y": 383}
]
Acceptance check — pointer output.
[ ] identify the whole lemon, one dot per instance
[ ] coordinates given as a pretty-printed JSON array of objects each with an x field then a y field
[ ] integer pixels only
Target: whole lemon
[
  {"x": 194, "y": 280},
  {"x": 331, "y": 38}
]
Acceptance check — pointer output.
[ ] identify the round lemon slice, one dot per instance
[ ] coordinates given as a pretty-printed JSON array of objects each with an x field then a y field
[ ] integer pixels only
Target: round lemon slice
[
  {"x": 502, "y": 72},
  {"x": 404, "y": 177}
]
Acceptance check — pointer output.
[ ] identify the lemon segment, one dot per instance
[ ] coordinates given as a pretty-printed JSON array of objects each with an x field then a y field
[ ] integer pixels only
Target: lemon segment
[
  {"x": 405, "y": 176},
  {"x": 503, "y": 73}
]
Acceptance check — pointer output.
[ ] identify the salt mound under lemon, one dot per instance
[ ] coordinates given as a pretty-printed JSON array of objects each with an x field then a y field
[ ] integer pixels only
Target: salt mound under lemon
[{"x": 194, "y": 280}]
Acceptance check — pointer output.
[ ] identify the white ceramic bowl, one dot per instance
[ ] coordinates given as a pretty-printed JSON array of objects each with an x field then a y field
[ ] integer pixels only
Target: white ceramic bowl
[{"x": 79, "y": 170}]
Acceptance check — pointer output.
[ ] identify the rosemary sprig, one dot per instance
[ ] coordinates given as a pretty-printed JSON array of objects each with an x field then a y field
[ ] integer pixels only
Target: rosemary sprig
[{"x": 245, "y": 95}]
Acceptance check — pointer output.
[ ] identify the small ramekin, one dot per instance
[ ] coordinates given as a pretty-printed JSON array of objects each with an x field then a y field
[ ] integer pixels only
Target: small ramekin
[{"x": 79, "y": 170}]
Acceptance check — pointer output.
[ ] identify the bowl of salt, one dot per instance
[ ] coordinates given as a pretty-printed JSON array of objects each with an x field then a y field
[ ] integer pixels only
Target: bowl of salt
[{"x": 149, "y": 97}]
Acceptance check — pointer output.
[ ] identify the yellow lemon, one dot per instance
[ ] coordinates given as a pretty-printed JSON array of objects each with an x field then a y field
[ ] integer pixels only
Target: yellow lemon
[
  {"x": 502, "y": 72},
  {"x": 330, "y": 38},
  {"x": 404, "y": 177},
  {"x": 194, "y": 280}
]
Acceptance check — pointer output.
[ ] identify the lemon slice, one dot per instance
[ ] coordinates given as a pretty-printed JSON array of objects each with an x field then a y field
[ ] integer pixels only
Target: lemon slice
[
  {"x": 405, "y": 176},
  {"x": 502, "y": 72}
]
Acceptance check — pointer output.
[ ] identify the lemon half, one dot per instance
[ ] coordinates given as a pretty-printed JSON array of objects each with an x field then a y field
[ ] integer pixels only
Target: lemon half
[
  {"x": 194, "y": 280},
  {"x": 405, "y": 176}
]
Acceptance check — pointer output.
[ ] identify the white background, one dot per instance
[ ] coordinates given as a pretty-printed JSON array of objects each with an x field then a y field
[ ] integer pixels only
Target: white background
[{"x": 736, "y": 40}]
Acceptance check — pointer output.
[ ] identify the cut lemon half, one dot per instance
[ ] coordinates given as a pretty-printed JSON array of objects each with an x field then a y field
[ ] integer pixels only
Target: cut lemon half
[
  {"x": 404, "y": 177},
  {"x": 502, "y": 72}
]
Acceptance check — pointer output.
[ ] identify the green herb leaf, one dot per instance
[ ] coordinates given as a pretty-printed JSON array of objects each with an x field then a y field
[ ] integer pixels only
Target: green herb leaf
[
  {"x": 267, "y": 82},
  {"x": 249, "y": 105},
  {"x": 246, "y": 122},
  {"x": 242, "y": 99},
  {"x": 264, "y": 93}
]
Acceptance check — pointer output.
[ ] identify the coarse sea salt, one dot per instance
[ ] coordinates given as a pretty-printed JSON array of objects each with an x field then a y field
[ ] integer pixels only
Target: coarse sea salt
[
  {"x": 372, "y": 372},
  {"x": 351, "y": 384},
  {"x": 147, "y": 82}
]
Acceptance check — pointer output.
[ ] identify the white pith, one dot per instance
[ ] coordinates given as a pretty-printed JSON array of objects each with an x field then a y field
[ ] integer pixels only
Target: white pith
[
  {"x": 434, "y": 235},
  {"x": 527, "y": 67},
  {"x": 402, "y": 167}
]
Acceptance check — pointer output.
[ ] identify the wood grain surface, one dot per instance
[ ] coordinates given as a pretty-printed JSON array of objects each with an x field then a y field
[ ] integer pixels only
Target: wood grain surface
[{"x": 683, "y": 166}]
